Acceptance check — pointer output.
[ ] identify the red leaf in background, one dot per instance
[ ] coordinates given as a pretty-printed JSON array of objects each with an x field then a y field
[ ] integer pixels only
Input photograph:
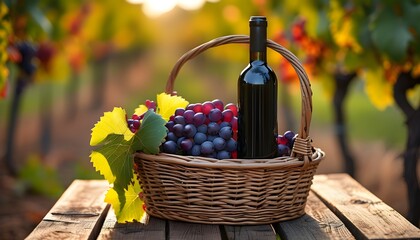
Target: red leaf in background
[
  {"x": 3, "y": 91},
  {"x": 287, "y": 72}
]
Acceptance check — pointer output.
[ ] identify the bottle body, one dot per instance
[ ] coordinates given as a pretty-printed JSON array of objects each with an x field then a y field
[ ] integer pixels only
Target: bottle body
[{"x": 257, "y": 101}]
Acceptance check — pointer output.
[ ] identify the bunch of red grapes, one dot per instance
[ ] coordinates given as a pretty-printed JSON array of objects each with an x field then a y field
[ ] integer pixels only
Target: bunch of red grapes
[{"x": 206, "y": 129}]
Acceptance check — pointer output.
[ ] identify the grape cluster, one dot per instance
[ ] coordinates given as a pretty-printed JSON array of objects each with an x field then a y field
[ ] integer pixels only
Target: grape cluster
[
  {"x": 135, "y": 121},
  {"x": 285, "y": 143},
  {"x": 203, "y": 129}
]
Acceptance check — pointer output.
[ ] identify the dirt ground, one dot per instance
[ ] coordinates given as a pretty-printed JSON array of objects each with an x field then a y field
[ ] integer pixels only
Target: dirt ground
[{"x": 378, "y": 169}]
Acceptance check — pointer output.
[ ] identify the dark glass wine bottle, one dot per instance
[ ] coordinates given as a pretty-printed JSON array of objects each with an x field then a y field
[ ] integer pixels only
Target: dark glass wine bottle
[{"x": 257, "y": 98}]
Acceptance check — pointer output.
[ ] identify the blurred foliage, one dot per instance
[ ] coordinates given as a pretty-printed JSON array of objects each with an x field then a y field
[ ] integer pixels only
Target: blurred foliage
[
  {"x": 378, "y": 39},
  {"x": 40, "y": 178},
  {"x": 4, "y": 32}
]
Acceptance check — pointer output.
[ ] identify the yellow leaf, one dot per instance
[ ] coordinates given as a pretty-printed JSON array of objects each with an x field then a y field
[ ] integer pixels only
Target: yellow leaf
[
  {"x": 377, "y": 88},
  {"x": 342, "y": 28},
  {"x": 140, "y": 110},
  {"x": 101, "y": 164},
  {"x": 167, "y": 104},
  {"x": 133, "y": 207},
  {"x": 111, "y": 123}
]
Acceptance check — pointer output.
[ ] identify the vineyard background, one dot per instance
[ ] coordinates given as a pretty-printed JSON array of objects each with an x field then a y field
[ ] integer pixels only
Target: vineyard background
[{"x": 101, "y": 54}]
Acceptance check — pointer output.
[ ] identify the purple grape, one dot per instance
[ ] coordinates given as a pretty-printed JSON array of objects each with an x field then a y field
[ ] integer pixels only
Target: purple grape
[
  {"x": 179, "y": 141},
  {"x": 207, "y": 147},
  {"x": 170, "y": 125},
  {"x": 219, "y": 143},
  {"x": 179, "y": 120},
  {"x": 136, "y": 124},
  {"x": 231, "y": 145},
  {"x": 223, "y": 155},
  {"x": 196, "y": 150},
  {"x": 226, "y": 133},
  {"x": 224, "y": 124},
  {"x": 211, "y": 137},
  {"x": 289, "y": 135},
  {"x": 202, "y": 128},
  {"x": 189, "y": 131},
  {"x": 169, "y": 147},
  {"x": 199, "y": 138},
  {"x": 283, "y": 150},
  {"x": 213, "y": 128},
  {"x": 179, "y": 112},
  {"x": 199, "y": 119},
  {"x": 186, "y": 144},
  {"x": 178, "y": 130},
  {"x": 189, "y": 116},
  {"x": 130, "y": 122},
  {"x": 215, "y": 115},
  {"x": 190, "y": 106},
  {"x": 171, "y": 137}
]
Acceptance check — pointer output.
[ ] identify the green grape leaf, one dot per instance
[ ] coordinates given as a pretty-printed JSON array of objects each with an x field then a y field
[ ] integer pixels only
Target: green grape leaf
[
  {"x": 391, "y": 35},
  {"x": 118, "y": 153},
  {"x": 411, "y": 14},
  {"x": 151, "y": 133},
  {"x": 133, "y": 209}
]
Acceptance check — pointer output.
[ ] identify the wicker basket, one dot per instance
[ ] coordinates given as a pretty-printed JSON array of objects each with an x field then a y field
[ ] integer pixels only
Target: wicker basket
[{"x": 232, "y": 191}]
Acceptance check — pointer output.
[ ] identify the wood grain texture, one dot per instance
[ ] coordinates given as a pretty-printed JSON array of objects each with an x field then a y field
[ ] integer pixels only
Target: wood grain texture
[
  {"x": 364, "y": 214},
  {"x": 253, "y": 232},
  {"x": 155, "y": 229},
  {"x": 193, "y": 231},
  {"x": 78, "y": 214},
  {"x": 319, "y": 222}
]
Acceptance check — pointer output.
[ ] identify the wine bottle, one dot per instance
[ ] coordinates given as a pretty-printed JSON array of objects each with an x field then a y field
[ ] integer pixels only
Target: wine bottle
[{"x": 257, "y": 98}]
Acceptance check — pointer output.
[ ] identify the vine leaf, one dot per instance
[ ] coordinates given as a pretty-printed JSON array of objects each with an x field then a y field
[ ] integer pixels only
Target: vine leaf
[
  {"x": 151, "y": 133},
  {"x": 133, "y": 210},
  {"x": 114, "y": 122},
  {"x": 167, "y": 104},
  {"x": 115, "y": 145},
  {"x": 391, "y": 35}
]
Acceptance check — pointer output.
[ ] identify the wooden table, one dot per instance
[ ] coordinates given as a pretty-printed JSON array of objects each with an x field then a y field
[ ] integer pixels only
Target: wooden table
[{"x": 338, "y": 207}]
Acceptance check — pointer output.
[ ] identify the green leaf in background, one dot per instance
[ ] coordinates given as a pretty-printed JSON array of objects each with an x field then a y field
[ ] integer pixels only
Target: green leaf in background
[
  {"x": 411, "y": 14},
  {"x": 391, "y": 35},
  {"x": 40, "y": 177}
]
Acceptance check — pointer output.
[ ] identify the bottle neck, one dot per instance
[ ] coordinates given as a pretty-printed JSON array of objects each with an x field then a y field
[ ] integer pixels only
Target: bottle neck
[
  {"x": 258, "y": 40},
  {"x": 257, "y": 56}
]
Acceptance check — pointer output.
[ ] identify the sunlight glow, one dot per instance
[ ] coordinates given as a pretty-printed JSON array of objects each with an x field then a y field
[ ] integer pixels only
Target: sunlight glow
[
  {"x": 191, "y": 4},
  {"x": 155, "y": 8}
]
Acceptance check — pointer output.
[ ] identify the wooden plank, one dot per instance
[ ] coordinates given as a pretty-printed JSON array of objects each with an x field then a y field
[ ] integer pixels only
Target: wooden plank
[
  {"x": 252, "y": 232},
  {"x": 319, "y": 222},
  {"x": 155, "y": 229},
  {"x": 78, "y": 214},
  {"x": 364, "y": 214},
  {"x": 193, "y": 231}
]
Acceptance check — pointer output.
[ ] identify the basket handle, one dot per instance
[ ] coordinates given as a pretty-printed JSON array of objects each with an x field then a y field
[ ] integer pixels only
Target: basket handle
[{"x": 302, "y": 144}]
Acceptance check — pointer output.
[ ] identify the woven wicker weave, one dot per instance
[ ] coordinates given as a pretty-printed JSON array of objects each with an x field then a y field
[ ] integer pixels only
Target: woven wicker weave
[{"x": 232, "y": 191}]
